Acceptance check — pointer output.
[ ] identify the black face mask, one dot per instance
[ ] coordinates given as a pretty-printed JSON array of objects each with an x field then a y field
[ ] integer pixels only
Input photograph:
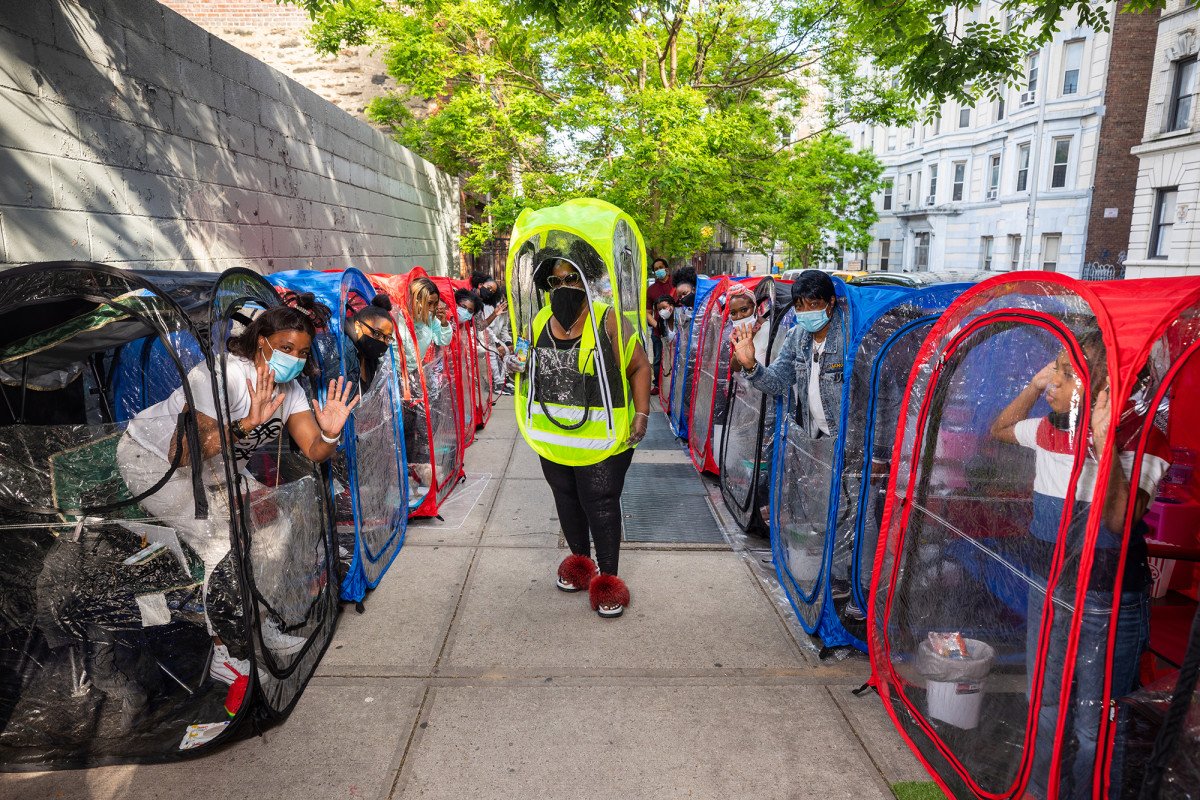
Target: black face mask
[
  {"x": 687, "y": 300},
  {"x": 565, "y": 303},
  {"x": 1060, "y": 420},
  {"x": 489, "y": 296},
  {"x": 371, "y": 348}
]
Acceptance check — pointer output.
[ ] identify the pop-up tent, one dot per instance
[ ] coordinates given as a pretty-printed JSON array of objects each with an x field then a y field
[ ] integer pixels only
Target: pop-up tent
[
  {"x": 556, "y": 410},
  {"x": 105, "y": 645},
  {"x": 714, "y": 355},
  {"x": 432, "y": 423},
  {"x": 749, "y": 441},
  {"x": 687, "y": 340},
  {"x": 881, "y": 356},
  {"x": 805, "y": 476},
  {"x": 368, "y": 476},
  {"x": 484, "y": 392},
  {"x": 985, "y": 517},
  {"x": 462, "y": 353}
]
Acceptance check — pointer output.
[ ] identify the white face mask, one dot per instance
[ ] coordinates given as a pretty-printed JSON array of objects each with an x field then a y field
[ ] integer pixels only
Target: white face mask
[
  {"x": 748, "y": 322},
  {"x": 664, "y": 313}
]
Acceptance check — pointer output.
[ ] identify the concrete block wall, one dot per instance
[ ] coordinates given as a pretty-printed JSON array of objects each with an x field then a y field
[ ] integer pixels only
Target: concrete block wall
[{"x": 131, "y": 136}]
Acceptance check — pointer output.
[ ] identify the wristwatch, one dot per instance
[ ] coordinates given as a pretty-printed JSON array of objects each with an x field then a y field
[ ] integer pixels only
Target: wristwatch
[{"x": 237, "y": 430}]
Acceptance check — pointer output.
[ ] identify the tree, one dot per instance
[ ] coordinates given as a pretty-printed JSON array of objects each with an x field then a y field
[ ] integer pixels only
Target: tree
[
  {"x": 937, "y": 49},
  {"x": 687, "y": 114}
]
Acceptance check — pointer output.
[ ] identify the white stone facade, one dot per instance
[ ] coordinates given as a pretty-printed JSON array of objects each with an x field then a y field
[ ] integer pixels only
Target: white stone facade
[
  {"x": 1169, "y": 157},
  {"x": 1038, "y": 201}
]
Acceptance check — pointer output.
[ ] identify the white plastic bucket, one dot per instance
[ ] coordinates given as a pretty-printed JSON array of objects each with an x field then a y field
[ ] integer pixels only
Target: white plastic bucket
[{"x": 957, "y": 703}]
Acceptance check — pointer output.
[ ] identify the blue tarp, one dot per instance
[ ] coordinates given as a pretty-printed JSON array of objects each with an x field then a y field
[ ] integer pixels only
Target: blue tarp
[
  {"x": 372, "y": 462},
  {"x": 869, "y": 337},
  {"x": 685, "y": 358}
]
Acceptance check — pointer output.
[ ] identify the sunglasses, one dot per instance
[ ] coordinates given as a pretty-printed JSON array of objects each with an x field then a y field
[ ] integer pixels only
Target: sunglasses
[
  {"x": 377, "y": 334},
  {"x": 555, "y": 282}
]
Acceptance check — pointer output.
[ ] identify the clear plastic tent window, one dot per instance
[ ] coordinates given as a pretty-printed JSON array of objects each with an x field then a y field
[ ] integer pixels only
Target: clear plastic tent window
[{"x": 124, "y": 550}]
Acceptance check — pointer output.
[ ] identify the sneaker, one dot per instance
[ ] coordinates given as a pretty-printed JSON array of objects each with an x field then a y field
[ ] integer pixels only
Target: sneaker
[
  {"x": 839, "y": 588},
  {"x": 853, "y": 612},
  {"x": 225, "y": 668},
  {"x": 278, "y": 642}
]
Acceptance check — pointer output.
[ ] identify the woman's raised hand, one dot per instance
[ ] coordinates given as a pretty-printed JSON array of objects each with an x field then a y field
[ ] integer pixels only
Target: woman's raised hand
[
  {"x": 743, "y": 347},
  {"x": 264, "y": 400},
  {"x": 1042, "y": 379},
  {"x": 332, "y": 416}
]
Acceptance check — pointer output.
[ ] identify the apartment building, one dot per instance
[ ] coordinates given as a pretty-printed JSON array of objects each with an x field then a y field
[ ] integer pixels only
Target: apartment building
[
  {"x": 1164, "y": 239},
  {"x": 1011, "y": 183}
]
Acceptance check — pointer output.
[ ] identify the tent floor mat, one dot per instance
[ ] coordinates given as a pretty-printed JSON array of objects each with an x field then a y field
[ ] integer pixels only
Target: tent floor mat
[{"x": 667, "y": 503}]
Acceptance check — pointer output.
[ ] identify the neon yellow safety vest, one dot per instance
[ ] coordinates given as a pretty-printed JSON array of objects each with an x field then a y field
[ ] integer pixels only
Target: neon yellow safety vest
[{"x": 591, "y": 434}]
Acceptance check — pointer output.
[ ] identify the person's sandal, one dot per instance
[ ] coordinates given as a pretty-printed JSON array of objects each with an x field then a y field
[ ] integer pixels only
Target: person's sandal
[
  {"x": 575, "y": 573},
  {"x": 609, "y": 596}
]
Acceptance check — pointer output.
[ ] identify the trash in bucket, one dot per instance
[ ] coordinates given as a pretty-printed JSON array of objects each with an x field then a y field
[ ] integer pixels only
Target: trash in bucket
[
  {"x": 1161, "y": 571},
  {"x": 955, "y": 669}
]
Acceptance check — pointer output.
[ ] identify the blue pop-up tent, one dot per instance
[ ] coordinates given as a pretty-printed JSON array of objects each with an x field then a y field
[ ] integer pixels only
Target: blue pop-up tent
[
  {"x": 368, "y": 477},
  {"x": 686, "y": 345},
  {"x": 813, "y": 496}
]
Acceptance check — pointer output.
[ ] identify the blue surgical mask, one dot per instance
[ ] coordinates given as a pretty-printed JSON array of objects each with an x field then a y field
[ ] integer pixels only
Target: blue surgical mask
[
  {"x": 660, "y": 273},
  {"x": 812, "y": 321},
  {"x": 463, "y": 314},
  {"x": 286, "y": 368}
]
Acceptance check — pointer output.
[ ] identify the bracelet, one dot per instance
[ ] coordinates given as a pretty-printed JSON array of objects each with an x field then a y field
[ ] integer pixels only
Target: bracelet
[
  {"x": 327, "y": 440},
  {"x": 641, "y": 414},
  {"x": 237, "y": 430}
]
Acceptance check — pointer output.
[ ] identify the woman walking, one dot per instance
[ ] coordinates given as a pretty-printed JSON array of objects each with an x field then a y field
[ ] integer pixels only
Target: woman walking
[{"x": 583, "y": 388}]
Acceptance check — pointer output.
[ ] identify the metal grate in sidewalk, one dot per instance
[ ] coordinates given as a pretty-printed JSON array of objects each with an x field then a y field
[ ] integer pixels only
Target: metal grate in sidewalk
[
  {"x": 667, "y": 503},
  {"x": 658, "y": 434}
]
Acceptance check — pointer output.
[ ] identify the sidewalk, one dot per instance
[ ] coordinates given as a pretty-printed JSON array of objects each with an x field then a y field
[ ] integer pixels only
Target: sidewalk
[{"x": 470, "y": 676}]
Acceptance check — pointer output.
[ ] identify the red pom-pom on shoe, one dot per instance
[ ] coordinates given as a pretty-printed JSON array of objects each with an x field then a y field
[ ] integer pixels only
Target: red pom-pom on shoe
[
  {"x": 608, "y": 590},
  {"x": 236, "y": 695},
  {"x": 578, "y": 571}
]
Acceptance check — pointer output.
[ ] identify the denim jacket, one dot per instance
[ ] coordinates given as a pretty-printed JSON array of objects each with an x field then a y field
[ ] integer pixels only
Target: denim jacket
[{"x": 790, "y": 371}]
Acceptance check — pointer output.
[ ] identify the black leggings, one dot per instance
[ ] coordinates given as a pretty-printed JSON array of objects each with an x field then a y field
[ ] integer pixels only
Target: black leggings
[{"x": 589, "y": 500}]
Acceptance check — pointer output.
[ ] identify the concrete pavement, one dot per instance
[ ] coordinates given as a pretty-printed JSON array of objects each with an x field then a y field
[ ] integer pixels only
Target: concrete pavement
[{"x": 470, "y": 676}]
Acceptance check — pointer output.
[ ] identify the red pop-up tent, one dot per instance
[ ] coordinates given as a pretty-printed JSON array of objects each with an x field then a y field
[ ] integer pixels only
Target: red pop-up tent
[
  {"x": 462, "y": 354},
  {"x": 709, "y": 401},
  {"x": 432, "y": 422},
  {"x": 999, "y": 496}
]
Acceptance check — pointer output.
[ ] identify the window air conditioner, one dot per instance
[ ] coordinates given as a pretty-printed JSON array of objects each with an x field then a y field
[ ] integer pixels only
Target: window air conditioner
[
  {"x": 929, "y": 200},
  {"x": 992, "y": 194},
  {"x": 1028, "y": 98}
]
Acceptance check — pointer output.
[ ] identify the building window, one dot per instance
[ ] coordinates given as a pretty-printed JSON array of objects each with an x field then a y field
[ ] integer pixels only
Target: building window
[
  {"x": 960, "y": 180},
  {"x": 1031, "y": 83},
  {"x": 1181, "y": 95},
  {"x": 1051, "y": 242},
  {"x": 1164, "y": 220},
  {"x": 1062, "y": 156},
  {"x": 937, "y": 124},
  {"x": 933, "y": 172},
  {"x": 964, "y": 117},
  {"x": 885, "y": 253},
  {"x": 891, "y": 140},
  {"x": 1023, "y": 167},
  {"x": 985, "y": 253},
  {"x": 887, "y": 195},
  {"x": 921, "y": 251},
  {"x": 1072, "y": 61},
  {"x": 1014, "y": 251},
  {"x": 1000, "y": 108},
  {"x": 907, "y": 188},
  {"x": 993, "y": 177}
]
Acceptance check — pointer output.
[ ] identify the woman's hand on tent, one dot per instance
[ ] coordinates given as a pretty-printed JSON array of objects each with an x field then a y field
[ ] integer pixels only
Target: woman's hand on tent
[
  {"x": 743, "y": 347},
  {"x": 1101, "y": 417},
  {"x": 332, "y": 416},
  {"x": 264, "y": 400}
]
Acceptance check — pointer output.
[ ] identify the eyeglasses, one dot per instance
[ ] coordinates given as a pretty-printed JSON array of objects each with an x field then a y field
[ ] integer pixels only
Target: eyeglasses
[
  {"x": 377, "y": 334},
  {"x": 555, "y": 282}
]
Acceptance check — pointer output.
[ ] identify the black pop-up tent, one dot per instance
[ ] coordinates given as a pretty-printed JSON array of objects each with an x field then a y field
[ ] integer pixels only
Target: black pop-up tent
[
  {"x": 745, "y": 450},
  {"x": 109, "y": 610}
]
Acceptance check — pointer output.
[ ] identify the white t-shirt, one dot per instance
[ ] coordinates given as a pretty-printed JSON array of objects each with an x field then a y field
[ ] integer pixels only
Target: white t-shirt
[
  {"x": 762, "y": 343},
  {"x": 154, "y": 428},
  {"x": 815, "y": 406}
]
